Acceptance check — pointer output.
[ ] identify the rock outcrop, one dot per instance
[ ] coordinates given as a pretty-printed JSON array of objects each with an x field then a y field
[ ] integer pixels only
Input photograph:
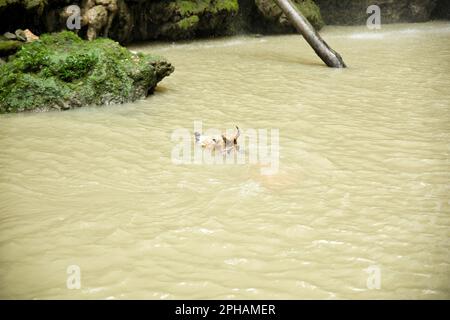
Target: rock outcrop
[
  {"x": 180, "y": 19},
  {"x": 61, "y": 71},
  {"x": 11, "y": 42},
  {"x": 353, "y": 12},
  {"x": 124, "y": 20},
  {"x": 136, "y": 20},
  {"x": 276, "y": 21}
]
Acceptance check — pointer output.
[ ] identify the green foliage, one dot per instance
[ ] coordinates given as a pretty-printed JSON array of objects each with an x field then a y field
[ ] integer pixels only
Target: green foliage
[
  {"x": 195, "y": 7},
  {"x": 198, "y": 15},
  {"x": 27, "y": 4},
  {"x": 272, "y": 12},
  {"x": 228, "y": 5},
  {"x": 32, "y": 57},
  {"x": 312, "y": 12},
  {"x": 61, "y": 71},
  {"x": 30, "y": 92},
  {"x": 189, "y": 22},
  {"x": 190, "y": 7},
  {"x": 73, "y": 67},
  {"x": 61, "y": 39}
]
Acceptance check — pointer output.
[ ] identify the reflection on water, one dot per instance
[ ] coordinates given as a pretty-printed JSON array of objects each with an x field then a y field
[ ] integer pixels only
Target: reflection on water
[{"x": 363, "y": 178}]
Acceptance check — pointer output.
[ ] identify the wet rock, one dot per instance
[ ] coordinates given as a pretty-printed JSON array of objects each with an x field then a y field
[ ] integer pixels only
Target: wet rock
[
  {"x": 62, "y": 72},
  {"x": 277, "y": 20},
  {"x": 20, "y": 34},
  {"x": 30, "y": 36},
  {"x": 25, "y": 35},
  {"x": 96, "y": 19},
  {"x": 125, "y": 20},
  {"x": 135, "y": 20},
  {"x": 10, "y": 36},
  {"x": 98, "y": 16},
  {"x": 181, "y": 19}
]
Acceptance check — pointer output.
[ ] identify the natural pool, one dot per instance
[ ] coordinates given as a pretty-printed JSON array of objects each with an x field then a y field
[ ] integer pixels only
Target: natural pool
[{"x": 363, "y": 177}]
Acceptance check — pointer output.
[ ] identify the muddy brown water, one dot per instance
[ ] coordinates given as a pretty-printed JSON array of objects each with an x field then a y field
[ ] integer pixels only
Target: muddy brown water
[{"x": 361, "y": 192}]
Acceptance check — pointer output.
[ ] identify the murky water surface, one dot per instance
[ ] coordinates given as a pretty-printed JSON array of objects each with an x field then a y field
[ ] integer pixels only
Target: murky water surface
[{"x": 362, "y": 186}]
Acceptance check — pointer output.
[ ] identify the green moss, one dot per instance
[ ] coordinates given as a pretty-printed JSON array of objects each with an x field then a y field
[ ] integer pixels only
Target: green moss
[
  {"x": 228, "y": 5},
  {"x": 9, "y": 46},
  {"x": 197, "y": 7},
  {"x": 61, "y": 71},
  {"x": 27, "y": 4},
  {"x": 187, "y": 7},
  {"x": 32, "y": 57},
  {"x": 196, "y": 16},
  {"x": 73, "y": 67},
  {"x": 188, "y": 23},
  {"x": 276, "y": 21},
  {"x": 312, "y": 12}
]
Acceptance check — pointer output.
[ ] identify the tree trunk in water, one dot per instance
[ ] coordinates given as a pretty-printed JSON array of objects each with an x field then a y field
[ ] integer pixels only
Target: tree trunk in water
[{"x": 328, "y": 55}]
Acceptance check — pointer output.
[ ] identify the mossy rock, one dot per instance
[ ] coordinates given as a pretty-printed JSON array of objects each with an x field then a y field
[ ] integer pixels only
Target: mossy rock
[
  {"x": 60, "y": 71},
  {"x": 182, "y": 19},
  {"x": 277, "y": 21},
  {"x": 36, "y": 5},
  {"x": 8, "y": 47}
]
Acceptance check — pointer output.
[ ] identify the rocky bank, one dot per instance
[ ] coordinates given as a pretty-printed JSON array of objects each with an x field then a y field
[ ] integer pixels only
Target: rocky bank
[{"x": 136, "y": 20}]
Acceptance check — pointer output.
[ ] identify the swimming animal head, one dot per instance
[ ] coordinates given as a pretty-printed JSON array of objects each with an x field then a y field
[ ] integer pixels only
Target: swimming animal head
[
  {"x": 224, "y": 143},
  {"x": 231, "y": 143}
]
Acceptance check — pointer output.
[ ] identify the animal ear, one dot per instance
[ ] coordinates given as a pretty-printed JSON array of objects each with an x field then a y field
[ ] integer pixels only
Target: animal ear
[
  {"x": 238, "y": 133},
  {"x": 224, "y": 138}
]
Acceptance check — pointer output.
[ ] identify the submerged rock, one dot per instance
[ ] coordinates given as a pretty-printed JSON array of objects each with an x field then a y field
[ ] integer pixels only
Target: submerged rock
[{"x": 61, "y": 71}]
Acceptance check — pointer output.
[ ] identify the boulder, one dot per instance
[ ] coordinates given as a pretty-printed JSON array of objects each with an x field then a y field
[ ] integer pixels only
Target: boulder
[
  {"x": 277, "y": 20},
  {"x": 20, "y": 35},
  {"x": 96, "y": 19},
  {"x": 30, "y": 36},
  {"x": 10, "y": 36},
  {"x": 62, "y": 71}
]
